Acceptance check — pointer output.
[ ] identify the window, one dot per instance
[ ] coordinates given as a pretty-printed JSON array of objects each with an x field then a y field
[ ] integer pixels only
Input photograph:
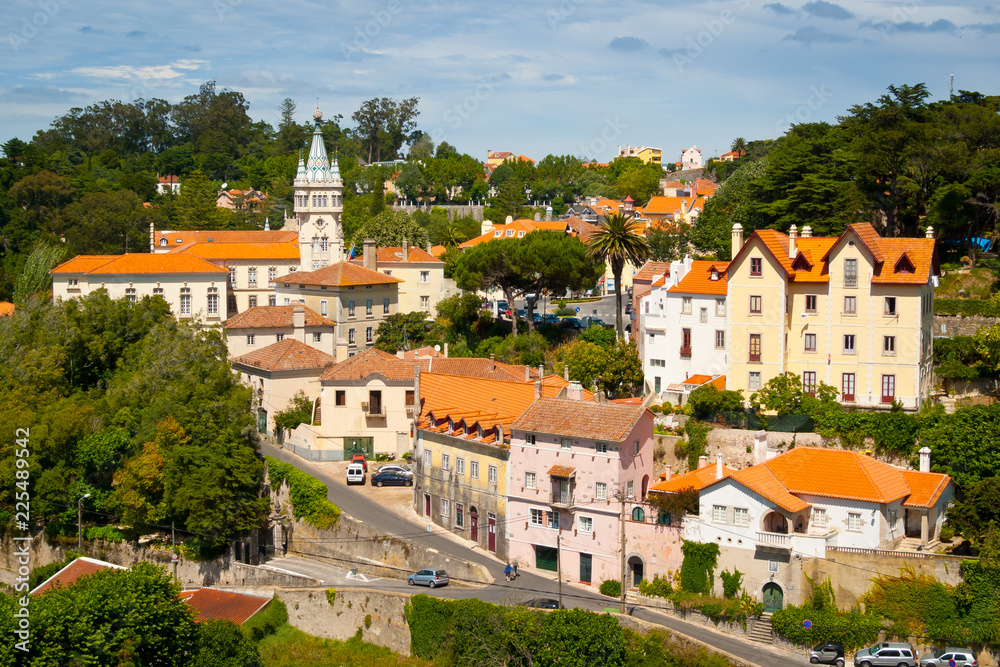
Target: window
[
  {"x": 232, "y": 276},
  {"x": 445, "y": 507},
  {"x": 252, "y": 276},
  {"x": 425, "y": 303},
  {"x": 847, "y": 387},
  {"x": 601, "y": 490},
  {"x": 850, "y": 305},
  {"x": 536, "y": 517},
  {"x": 272, "y": 300},
  {"x": 185, "y": 301},
  {"x": 850, "y": 273},
  {"x": 459, "y": 515},
  {"x": 854, "y": 521},
  {"x": 315, "y": 240},
  {"x": 350, "y": 309},
  {"x": 350, "y": 336},
  {"x": 213, "y": 301},
  {"x": 636, "y": 446},
  {"x": 685, "y": 342},
  {"x": 157, "y": 291},
  {"x": 342, "y": 400},
  {"x": 601, "y": 448},
  {"x": 368, "y": 307},
  {"x": 849, "y": 344},
  {"x": 250, "y": 339},
  {"x": 427, "y": 457},
  {"x": 565, "y": 443},
  {"x": 252, "y": 301},
  {"x": 530, "y": 481},
  {"x": 272, "y": 273},
  {"x": 492, "y": 475},
  {"x": 888, "y": 388},
  {"x": 324, "y": 243},
  {"x": 279, "y": 337},
  {"x": 410, "y": 397},
  {"x": 586, "y": 524},
  {"x": 720, "y": 307},
  {"x": 819, "y": 517},
  {"x": 719, "y": 513},
  {"x": 753, "y": 383},
  {"x": 130, "y": 294},
  {"x": 720, "y": 339},
  {"x": 656, "y": 384},
  {"x": 529, "y": 438},
  {"x": 658, "y": 363},
  {"x": 317, "y": 338},
  {"x": 385, "y": 306},
  {"x": 445, "y": 462},
  {"x": 703, "y": 315},
  {"x": 425, "y": 277},
  {"x": 810, "y": 342},
  {"x": 889, "y": 346},
  {"x": 474, "y": 469},
  {"x": 810, "y": 303},
  {"x": 754, "y": 347},
  {"x": 809, "y": 382},
  {"x": 630, "y": 489},
  {"x": 755, "y": 305},
  {"x": 322, "y": 308},
  {"x": 756, "y": 266},
  {"x": 889, "y": 308},
  {"x": 553, "y": 518},
  {"x": 369, "y": 333},
  {"x": 686, "y": 305},
  {"x": 638, "y": 514},
  {"x": 741, "y": 516}
]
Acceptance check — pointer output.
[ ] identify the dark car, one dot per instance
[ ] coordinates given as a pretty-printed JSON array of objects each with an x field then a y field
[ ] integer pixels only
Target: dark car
[
  {"x": 572, "y": 323},
  {"x": 430, "y": 578},
  {"x": 521, "y": 313},
  {"x": 550, "y": 318},
  {"x": 543, "y": 603},
  {"x": 391, "y": 478},
  {"x": 502, "y": 306},
  {"x": 829, "y": 653},
  {"x": 360, "y": 458}
]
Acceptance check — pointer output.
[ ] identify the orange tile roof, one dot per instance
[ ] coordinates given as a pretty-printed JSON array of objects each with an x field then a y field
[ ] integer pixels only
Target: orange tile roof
[
  {"x": 274, "y": 317},
  {"x": 699, "y": 279},
  {"x": 479, "y": 367},
  {"x": 651, "y": 269},
  {"x": 372, "y": 362},
  {"x": 581, "y": 419},
  {"x": 341, "y": 274},
  {"x": 921, "y": 253},
  {"x": 170, "y": 179},
  {"x": 515, "y": 227},
  {"x": 134, "y": 264},
  {"x": 287, "y": 354},
  {"x": 211, "y": 604},
  {"x": 809, "y": 251},
  {"x": 439, "y": 250},
  {"x": 6, "y": 308},
  {"x": 925, "y": 488},
  {"x": 660, "y": 205},
  {"x": 674, "y": 184},
  {"x": 696, "y": 479},
  {"x": 561, "y": 471},
  {"x": 80, "y": 567},
  {"x": 474, "y": 402},
  {"x": 240, "y": 250},
  {"x": 761, "y": 480},
  {"x": 181, "y": 237},
  {"x": 395, "y": 256}
]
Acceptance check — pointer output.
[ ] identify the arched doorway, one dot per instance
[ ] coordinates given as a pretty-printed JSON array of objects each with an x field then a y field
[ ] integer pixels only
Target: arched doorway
[
  {"x": 635, "y": 568},
  {"x": 645, "y": 486},
  {"x": 474, "y": 524},
  {"x": 774, "y": 597},
  {"x": 775, "y": 522}
]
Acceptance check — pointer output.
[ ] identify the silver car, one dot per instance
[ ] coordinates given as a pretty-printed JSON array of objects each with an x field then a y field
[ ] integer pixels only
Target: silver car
[
  {"x": 396, "y": 468},
  {"x": 430, "y": 578},
  {"x": 963, "y": 657},
  {"x": 887, "y": 654}
]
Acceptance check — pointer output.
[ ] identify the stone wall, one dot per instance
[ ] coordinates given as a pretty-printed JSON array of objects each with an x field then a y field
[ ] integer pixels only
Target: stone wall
[
  {"x": 454, "y": 210},
  {"x": 960, "y": 325}
]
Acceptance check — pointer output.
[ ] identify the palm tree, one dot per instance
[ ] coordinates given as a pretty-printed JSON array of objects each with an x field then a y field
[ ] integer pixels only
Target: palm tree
[
  {"x": 739, "y": 147},
  {"x": 617, "y": 243}
]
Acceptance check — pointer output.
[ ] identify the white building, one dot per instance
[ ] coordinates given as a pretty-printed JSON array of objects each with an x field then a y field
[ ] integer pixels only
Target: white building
[
  {"x": 682, "y": 322},
  {"x": 691, "y": 158},
  {"x": 319, "y": 203}
]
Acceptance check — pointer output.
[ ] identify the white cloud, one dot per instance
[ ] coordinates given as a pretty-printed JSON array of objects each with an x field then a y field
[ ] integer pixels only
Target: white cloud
[{"x": 149, "y": 72}]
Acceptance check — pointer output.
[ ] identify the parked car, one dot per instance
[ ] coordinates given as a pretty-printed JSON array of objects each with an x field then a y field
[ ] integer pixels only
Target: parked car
[
  {"x": 572, "y": 323},
  {"x": 542, "y": 603},
  {"x": 355, "y": 474},
  {"x": 391, "y": 478},
  {"x": 431, "y": 578},
  {"x": 590, "y": 321},
  {"x": 829, "y": 653},
  {"x": 502, "y": 305},
  {"x": 550, "y": 318},
  {"x": 360, "y": 458},
  {"x": 521, "y": 313},
  {"x": 396, "y": 468},
  {"x": 963, "y": 657},
  {"x": 887, "y": 654}
]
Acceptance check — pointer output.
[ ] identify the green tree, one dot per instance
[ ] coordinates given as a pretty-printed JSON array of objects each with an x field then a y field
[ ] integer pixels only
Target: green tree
[
  {"x": 298, "y": 411},
  {"x": 623, "y": 376},
  {"x": 196, "y": 203},
  {"x": 491, "y": 266},
  {"x": 601, "y": 336},
  {"x": 739, "y": 146},
  {"x": 586, "y": 361},
  {"x": 410, "y": 180},
  {"x": 35, "y": 277},
  {"x": 460, "y": 311},
  {"x": 977, "y": 510},
  {"x": 221, "y": 643},
  {"x": 401, "y": 331},
  {"x": 784, "y": 394},
  {"x": 389, "y": 228},
  {"x": 553, "y": 263},
  {"x": 617, "y": 242},
  {"x": 578, "y": 638},
  {"x": 384, "y": 125},
  {"x": 668, "y": 243}
]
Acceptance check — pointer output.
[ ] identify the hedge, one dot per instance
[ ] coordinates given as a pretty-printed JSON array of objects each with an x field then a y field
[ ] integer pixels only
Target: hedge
[
  {"x": 966, "y": 307},
  {"x": 308, "y": 494},
  {"x": 266, "y": 622},
  {"x": 852, "y": 629}
]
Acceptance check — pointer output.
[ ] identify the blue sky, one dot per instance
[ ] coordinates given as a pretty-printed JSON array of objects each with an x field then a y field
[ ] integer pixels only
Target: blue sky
[{"x": 529, "y": 76}]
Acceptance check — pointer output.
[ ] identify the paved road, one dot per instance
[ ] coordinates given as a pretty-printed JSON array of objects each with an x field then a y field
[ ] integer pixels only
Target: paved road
[{"x": 527, "y": 585}]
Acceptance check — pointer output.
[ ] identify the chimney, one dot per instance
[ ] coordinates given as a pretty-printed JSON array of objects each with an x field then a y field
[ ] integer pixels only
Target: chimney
[
  {"x": 493, "y": 362},
  {"x": 575, "y": 392},
  {"x": 548, "y": 213},
  {"x": 541, "y": 370},
  {"x": 299, "y": 322},
  {"x": 371, "y": 261},
  {"x": 718, "y": 466},
  {"x": 792, "y": 235},
  {"x": 406, "y": 250},
  {"x": 509, "y": 219},
  {"x": 668, "y": 473},
  {"x": 925, "y": 459},
  {"x": 538, "y": 216},
  {"x": 737, "y": 239},
  {"x": 702, "y": 462},
  {"x": 928, "y": 234},
  {"x": 416, "y": 390},
  {"x": 446, "y": 350},
  {"x": 527, "y": 373},
  {"x": 566, "y": 372},
  {"x": 807, "y": 232},
  {"x": 429, "y": 248},
  {"x": 538, "y": 389},
  {"x": 152, "y": 238}
]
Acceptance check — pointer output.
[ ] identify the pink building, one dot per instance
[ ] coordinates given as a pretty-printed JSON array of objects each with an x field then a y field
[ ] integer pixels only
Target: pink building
[{"x": 573, "y": 462}]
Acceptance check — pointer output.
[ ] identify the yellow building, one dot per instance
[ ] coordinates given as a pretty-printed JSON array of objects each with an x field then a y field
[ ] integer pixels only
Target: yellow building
[
  {"x": 423, "y": 284},
  {"x": 647, "y": 154},
  {"x": 854, "y": 312}
]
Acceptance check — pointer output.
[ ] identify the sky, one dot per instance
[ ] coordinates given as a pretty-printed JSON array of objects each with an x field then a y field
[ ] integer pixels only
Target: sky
[{"x": 533, "y": 77}]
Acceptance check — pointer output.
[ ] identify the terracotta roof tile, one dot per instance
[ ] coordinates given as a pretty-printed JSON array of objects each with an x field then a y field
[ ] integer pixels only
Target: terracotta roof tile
[
  {"x": 696, "y": 479},
  {"x": 395, "y": 255},
  {"x": 274, "y": 317},
  {"x": 341, "y": 274},
  {"x": 516, "y": 227},
  {"x": 561, "y": 471},
  {"x": 761, "y": 480},
  {"x": 479, "y": 367},
  {"x": 250, "y": 236},
  {"x": 439, "y": 250},
  {"x": 925, "y": 488},
  {"x": 240, "y": 250},
  {"x": 287, "y": 354},
  {"x": 80, "y": 567},
  {"x": 372, "y": 362},
  {"x": 211, "y": 604},
  {"x": 580, "y": 419},
  {"x": 135, "y": 264},
  {"x": 920, "y": 252},
  {"x": 650, "y": 270},
  {"x": 6, "y": 308},
  {"x": 699, "y": 279},
  {"x": 476, "y": 401}
]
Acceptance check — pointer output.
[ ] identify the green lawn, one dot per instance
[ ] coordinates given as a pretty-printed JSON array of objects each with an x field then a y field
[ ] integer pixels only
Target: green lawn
[
  {"x": 289, "y": 647},
  {"x": 978, "y": 284}
]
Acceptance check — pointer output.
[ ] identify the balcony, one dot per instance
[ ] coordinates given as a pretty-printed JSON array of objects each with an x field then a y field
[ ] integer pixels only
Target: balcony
[
  {"x": 755, "y": 358},
  {"x": 373, "y": 410},
  {"x": 561, "y": 498},
  {"x": 685, "y": 350},
  {"x": 776, "y": 540}
]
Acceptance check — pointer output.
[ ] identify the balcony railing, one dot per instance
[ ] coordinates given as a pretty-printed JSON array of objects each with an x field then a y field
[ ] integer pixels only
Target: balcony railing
[
  {"x": 755, "y": 357},
  {"x": 685, "y": 350},
  {"x": 779, "y": 540},
  {"x": 561, "y": 498},
  {"x": 373, "y": 410}
]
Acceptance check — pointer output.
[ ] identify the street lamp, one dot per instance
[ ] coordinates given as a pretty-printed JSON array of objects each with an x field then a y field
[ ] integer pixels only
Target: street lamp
[{"x": 79, "y": 523}]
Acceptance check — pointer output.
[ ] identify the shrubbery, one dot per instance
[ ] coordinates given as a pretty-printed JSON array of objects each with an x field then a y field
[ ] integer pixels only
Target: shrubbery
[
  {"x": 853, "y": 629},
  {"x": 658, "y": 587},
  {"x": 308, "y": 494},
  {"x": 611, "y": 587},
  {"x": 106, "y": 533},
  {"x": 266, "y": 622}
]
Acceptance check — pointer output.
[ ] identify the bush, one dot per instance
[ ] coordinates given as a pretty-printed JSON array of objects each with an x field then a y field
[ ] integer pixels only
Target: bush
[
  {"x": 266, "y": 622},
  {"x": 853, "y": 629},
  {"x": 658, "y": 587},
  {"x": 947, "y": 533},
  {"x": 698, "y": 566},
  {"x": 966, "y": 307},
  {"x": 331, "y": 595},
  {"x": 565, "y": 312},
  {"x": 106, "y": 533},
  {"x": 731, "y": 582},
  {"x": 308, "y": 494},
  {"x": 707, "y": 400},
  {"x": 611, "y": 587}
]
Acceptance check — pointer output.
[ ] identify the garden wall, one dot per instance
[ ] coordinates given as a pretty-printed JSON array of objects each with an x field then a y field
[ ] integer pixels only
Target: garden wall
[{"x": 961, "y": 325}]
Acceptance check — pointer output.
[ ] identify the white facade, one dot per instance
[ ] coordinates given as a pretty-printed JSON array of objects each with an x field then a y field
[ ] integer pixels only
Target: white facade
[
  {"x": 691, "y": 158},
  {"x": 319, "y": 204}
]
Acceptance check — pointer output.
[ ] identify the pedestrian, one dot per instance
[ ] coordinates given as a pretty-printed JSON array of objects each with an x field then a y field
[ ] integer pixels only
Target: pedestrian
[
  {"x": 507, "y": 571},
  {"x": 514, "y": 565}
]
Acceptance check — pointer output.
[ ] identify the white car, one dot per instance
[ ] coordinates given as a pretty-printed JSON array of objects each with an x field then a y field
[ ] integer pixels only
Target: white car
[
  {"x": 396, "y": 468},
  {"x": 355, "y": 474}
]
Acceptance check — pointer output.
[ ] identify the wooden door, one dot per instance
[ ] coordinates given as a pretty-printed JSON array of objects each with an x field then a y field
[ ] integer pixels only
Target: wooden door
[{"x": 491, "y": 540}]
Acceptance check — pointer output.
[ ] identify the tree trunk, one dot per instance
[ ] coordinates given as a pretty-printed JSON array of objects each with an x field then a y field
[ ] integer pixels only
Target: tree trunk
[
  {"x": 509, "y": 295},
  {"x": 619, "y": 327}
]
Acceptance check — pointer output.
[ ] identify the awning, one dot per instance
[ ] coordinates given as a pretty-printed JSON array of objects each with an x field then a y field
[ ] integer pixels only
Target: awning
[{"x": 561, "y": 471}]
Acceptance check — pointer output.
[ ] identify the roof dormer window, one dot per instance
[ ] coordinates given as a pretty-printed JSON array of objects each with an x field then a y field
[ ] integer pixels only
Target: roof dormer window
[
  {"x": 510, "y": 232},
  {"x": 715, "y": 274},
  {"x": 497, "y": 234}
]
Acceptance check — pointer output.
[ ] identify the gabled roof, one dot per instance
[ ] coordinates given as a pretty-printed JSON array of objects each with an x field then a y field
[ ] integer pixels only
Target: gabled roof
[
  {"x": 395, "y": 256},
  {"x": 287, "y": 354},
  {"x": 651, "y": 270},
  {"x": 698, "y": 279},
  {"x": 761, "y": 479},
  {"x": 80, "y": 567},
  {"x": 341, "y": 274},
  {"x": 580, "y": 419},
  {"x": 179, "y": 238},
  {"x": 515, "y": 228},
  {"x": 925, "y": 488},
  {"x": 263, "y": 251},
  {"x": 137, "y": 264},
  {"x": 210, "y": 604},
  {"x": 694, "y": 381},
  {"x": 372, "y": 362},
  {"x": 696, "y": 479},
  {"x": 275, "y": 317}
]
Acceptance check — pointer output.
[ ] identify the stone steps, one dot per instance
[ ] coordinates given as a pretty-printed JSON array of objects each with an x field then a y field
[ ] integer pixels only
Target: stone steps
[{"x": 762, "y": 630}]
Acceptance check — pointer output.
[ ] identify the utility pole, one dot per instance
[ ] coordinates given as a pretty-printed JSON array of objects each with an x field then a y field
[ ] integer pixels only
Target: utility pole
[
  {"x": 79, "y": 523},
  {"x": 173, "y": 548},
  {"x": 620, "y": 496},
  {"x": 559, "y": 563}
]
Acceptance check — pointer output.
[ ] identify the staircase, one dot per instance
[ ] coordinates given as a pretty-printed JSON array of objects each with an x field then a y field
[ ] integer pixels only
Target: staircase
[{"x": 762, "y": 630}]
